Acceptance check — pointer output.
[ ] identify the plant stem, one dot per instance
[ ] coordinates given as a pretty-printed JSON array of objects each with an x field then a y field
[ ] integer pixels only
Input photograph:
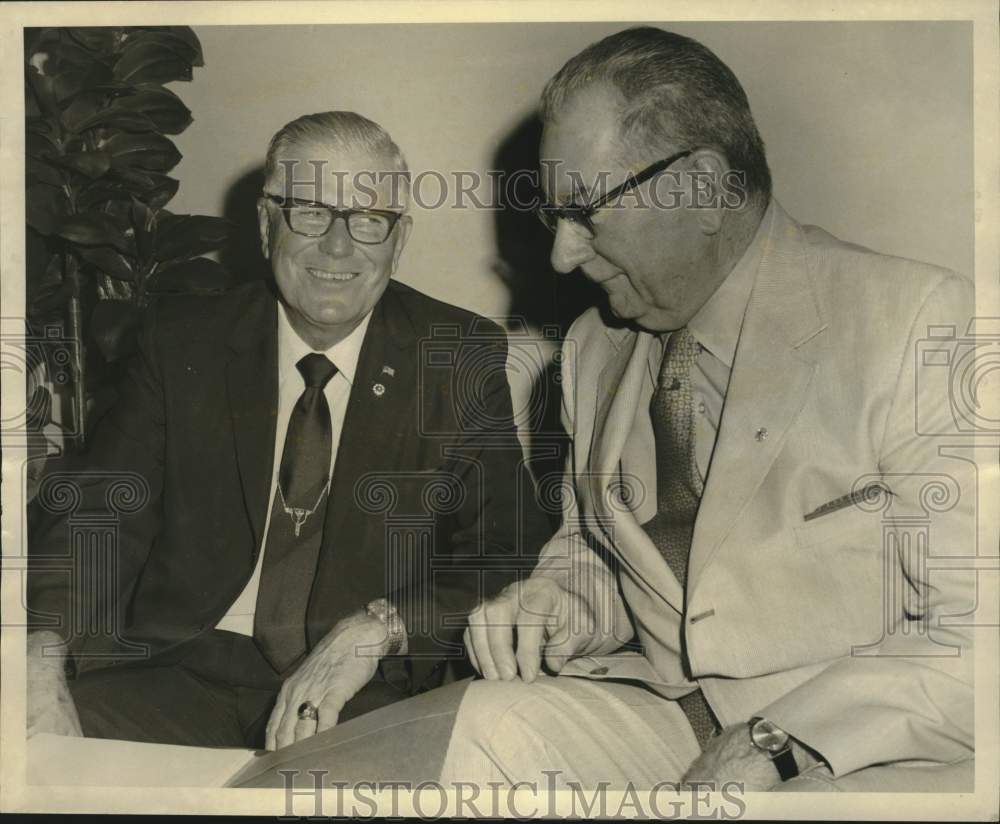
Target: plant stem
[{"x": 75, "y": 323}]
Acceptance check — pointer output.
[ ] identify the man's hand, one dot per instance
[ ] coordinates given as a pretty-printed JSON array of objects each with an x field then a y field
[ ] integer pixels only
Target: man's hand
[
  {"x": 732, "y": 757},
  {"x": 549, "y": 620},
  {"x": 340, "y": 665},
  {"x": 50, "y": 705}
]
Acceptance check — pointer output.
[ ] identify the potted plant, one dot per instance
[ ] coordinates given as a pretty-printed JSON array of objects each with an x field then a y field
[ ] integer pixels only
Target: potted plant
[{"x": 101, "y": 244}]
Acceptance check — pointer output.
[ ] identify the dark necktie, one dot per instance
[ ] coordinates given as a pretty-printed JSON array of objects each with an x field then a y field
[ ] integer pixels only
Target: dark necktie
[
  {"x": 291, "y": 549},
  {"x": 678, "y": 486}
]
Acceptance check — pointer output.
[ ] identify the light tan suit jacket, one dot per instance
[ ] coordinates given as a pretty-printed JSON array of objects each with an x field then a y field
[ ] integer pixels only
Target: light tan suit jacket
[{"x": 805, "y": 622}]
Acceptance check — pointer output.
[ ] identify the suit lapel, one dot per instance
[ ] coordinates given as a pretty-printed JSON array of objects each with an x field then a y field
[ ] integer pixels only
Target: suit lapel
[
  {"x": 617, "y": 389},
  {"x": 767, "y": 389},
  {"x": 621, "y": 387},
  {"x": 252, "y": 386},
  {"x": 381, "y": 404},
  {"x": 378, "y": 404}
]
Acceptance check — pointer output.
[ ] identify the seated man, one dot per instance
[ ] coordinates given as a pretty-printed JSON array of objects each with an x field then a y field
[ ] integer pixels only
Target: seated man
[
  {"x": 756, "y": 438},
  {"x": 769, "y": 490},
  {"x": 306, "y": 510}
]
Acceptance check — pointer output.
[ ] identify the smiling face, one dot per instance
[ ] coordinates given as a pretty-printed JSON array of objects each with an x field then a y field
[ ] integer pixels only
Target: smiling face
[
  {"x": 329, "y": 284},
  {"x": 658, "y": 266}
]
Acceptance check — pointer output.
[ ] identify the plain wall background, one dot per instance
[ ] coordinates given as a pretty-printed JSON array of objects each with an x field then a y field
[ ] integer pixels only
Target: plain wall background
[{"x": 868, "y": 128}]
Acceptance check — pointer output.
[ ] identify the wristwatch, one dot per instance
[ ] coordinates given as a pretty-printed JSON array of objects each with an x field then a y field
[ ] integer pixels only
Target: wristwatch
[
  {"x": 776, "y": 744},
  {"x": 382, "y": 610}
]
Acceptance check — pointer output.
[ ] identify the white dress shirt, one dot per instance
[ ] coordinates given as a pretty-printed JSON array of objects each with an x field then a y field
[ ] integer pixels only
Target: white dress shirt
[
  {"x": 291, "y": 348},
  {"x": 716, "y": 327}
]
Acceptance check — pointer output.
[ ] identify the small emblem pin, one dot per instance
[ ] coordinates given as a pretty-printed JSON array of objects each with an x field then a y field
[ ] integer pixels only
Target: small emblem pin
[
  {"x": 379, "y": 390},
  {"x": 388, "y": 370},
  {"x": 761, "y": 434}
]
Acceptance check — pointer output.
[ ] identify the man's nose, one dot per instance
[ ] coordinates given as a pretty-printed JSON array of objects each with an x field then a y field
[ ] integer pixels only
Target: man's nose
[
  {"x": 571, "y": 247},
  {"x": 337, "y": 241}
]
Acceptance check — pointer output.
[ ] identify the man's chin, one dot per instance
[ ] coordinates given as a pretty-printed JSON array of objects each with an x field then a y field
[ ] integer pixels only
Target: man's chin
[{"x": 650, "y": 320}]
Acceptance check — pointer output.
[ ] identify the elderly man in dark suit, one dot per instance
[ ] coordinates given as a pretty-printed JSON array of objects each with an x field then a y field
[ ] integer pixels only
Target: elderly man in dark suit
[{"x": 332, "y": 474}]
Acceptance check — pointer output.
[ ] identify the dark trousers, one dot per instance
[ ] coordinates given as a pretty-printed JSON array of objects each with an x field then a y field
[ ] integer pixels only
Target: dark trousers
[{"x": 217, "y": 691}]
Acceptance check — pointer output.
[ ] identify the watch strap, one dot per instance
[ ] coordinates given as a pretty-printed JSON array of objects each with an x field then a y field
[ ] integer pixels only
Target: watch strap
[{"x": 785, "y": 763}]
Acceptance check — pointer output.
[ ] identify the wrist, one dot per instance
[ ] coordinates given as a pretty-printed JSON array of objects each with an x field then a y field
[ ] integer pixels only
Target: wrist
[
  {"x": 385, "y": 612},
  {"x": 774, "y": 743}
]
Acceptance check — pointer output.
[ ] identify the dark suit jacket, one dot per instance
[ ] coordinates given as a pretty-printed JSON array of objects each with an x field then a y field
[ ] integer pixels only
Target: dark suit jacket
[{"x": 431, "y": 503}]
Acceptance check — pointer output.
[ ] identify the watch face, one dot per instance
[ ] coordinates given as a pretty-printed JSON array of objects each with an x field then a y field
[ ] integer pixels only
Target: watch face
[{"x": 767, "y": 736}]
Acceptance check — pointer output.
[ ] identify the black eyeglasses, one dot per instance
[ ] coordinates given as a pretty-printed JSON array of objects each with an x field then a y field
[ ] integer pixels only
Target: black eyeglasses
[
  {"x": 550, "y": 215},
  {"x": 311, "y": 219}
]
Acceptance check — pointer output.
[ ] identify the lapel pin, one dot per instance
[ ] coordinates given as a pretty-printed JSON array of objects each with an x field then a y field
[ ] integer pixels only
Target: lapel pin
[
  {"x": 379, "y": 390},
  {"x": 388, "y": 370},
  {"x": 761, "y": 434}
]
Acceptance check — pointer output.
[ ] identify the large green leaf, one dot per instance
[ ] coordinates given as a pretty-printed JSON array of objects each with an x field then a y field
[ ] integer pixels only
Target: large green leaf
[
  {"x": 40, "y": 171},
  {"x": 69, "y": 83},
  {"x": 45, "y": 207},
  {"x": 187, "y": 49},
  {"x": 114, "y": 117},
  {"x": 89, "y": 164},
  {"x": 100, "y": 192},
  {"x": 41, "y": 88},
  {"x": 41, "y": 125},
  {"x": 39, "y": 145},
  {"x": 186, "y": 33},
  {"x": 164, "y": 108},
  {"x": 151, "y": 63},
  {"x": 148, "y": 151},
  {"x": 197, "y": 276},
  {"x": 47, "y": 291},
  {"x": 108, "y": 261},
  {"x": 185, "y": 236},
  {"x": 151, "y": 188},
  {"x": 162, "y": 192},
  {"x": 83, "y": 107},
  {"x": 36, "y": 39},
  {"x": 102, "y": 39},
  {"x": 66, "y": 53},
  {"x": 95, "y": 229},
  {"x": 143, "y": 221}
]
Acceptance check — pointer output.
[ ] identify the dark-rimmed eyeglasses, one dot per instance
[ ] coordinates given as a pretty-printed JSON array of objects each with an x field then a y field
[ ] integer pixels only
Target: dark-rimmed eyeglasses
[
  {"x": 550, "y": 215},
  {"x": 312, "y": 219}
]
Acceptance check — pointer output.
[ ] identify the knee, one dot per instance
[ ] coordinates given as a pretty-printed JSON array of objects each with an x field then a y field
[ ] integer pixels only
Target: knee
[
  {"x": 496, "y": 715},
  {"x": 486, "y": 703}
]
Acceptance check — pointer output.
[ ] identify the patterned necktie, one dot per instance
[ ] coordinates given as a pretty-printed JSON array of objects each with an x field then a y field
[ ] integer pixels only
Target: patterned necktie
[
  {"x": 678, "y": 486},
  {"x": 295, "y": 532}
]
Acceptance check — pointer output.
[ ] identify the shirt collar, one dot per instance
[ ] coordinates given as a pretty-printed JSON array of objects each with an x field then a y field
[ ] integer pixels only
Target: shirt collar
[
  {"x": 717, "y": 324},
  {"x": 344, "y": 354}
]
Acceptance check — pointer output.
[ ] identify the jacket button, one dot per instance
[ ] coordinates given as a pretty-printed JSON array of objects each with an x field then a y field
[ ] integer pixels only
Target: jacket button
[{"x": 599, "y": 671}]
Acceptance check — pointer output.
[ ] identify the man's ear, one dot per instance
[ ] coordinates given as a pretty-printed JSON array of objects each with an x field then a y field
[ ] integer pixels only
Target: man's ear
[
  {"x": 707, "y": 173},
  {"x": 264, "y": 225},
  {"x": 403, "y": 227}
]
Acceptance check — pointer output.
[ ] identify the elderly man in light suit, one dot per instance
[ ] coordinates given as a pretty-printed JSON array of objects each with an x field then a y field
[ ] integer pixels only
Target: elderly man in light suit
[{"x": 745, "y": 456}]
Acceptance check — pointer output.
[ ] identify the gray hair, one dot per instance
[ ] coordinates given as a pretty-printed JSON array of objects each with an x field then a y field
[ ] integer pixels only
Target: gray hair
[
  {"x": 342, "y": 132},
  {"x": 674, "y": 91}
]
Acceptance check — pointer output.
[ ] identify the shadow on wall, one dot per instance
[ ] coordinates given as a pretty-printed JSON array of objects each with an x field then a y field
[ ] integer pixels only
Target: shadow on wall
[
  {"x": 542, "y": 301},
  {"x": 242, "y": 256}
]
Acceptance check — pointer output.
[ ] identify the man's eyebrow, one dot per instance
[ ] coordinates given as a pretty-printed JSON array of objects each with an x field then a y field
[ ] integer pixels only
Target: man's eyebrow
[{"x": 580, "y": 195}]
